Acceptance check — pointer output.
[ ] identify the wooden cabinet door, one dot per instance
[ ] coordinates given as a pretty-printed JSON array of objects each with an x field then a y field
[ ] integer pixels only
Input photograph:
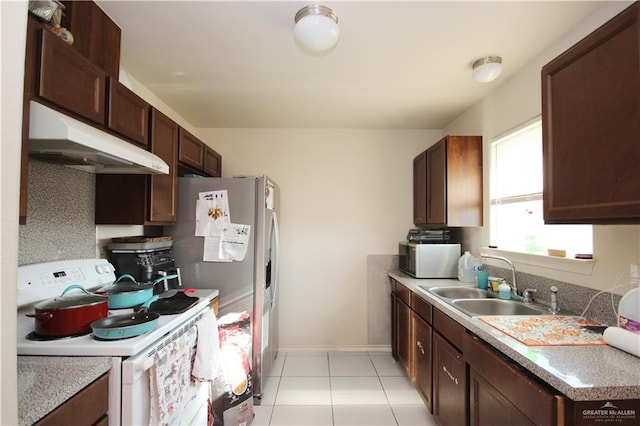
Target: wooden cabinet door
[
  {"x": 128, "y": 114},
  {"x": 96, "y": 36},
  {"x": 191, "y": 151},
  {"x": 437, "y": 184},
  {"x": 422, "y": 359},
  {"x": 464, "y": 201},
  {"x": 490, "y": 407},
  {"x": 163, "y": 188},
  {"x": 591, "y": 127},
  {"x": 212, "y": 162},
  {"x": 70, "y": 80},
  {"x": 500, "y": 390},
  {"x": 404, "y": 343},
  {"x": 450, "y": 383},
  {"x": 420, "y": 189}
]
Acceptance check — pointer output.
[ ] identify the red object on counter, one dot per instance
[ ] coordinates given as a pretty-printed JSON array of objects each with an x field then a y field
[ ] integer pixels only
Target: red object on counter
[{"x": 69, "y": 315}]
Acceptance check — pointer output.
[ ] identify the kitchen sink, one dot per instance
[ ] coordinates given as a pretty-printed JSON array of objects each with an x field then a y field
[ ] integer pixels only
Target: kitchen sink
[
  {"x": 460, "y": 292},
  {"x": 479, "y": 307}
]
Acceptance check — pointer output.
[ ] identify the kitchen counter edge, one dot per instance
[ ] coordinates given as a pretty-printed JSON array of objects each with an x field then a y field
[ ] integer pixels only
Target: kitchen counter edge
[{"x": 582, "y": 373}]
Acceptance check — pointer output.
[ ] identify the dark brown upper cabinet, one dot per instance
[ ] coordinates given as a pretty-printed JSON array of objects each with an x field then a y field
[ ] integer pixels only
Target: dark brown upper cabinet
[
  {"x": 190, "y": 151},
  {"x": 212, "y": 162},
  {"x": 194, "y": 156},
  {"x": 143, "y": 199},
  {"x": 591, "y": 127},
  {"x": 128, "y": 114},
  {"x": 70, "y": 80},
  {"x": 95, "y": 35},
  {"x": 447, "y": 183}
]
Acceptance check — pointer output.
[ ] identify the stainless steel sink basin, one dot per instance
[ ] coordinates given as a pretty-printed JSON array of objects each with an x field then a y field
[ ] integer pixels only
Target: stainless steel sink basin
[
  {"x": 460, "y": 292},
  {"x": 480, "y": 307}
]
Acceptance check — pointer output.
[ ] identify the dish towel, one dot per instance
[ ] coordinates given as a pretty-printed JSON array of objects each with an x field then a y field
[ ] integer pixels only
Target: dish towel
[
  {"x": 207, "y": 358},
  {"x": 171, "y": 388}
]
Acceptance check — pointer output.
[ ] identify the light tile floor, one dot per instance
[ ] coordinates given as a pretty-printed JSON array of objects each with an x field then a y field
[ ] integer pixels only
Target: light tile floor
[{"x": 342, "y": 389}]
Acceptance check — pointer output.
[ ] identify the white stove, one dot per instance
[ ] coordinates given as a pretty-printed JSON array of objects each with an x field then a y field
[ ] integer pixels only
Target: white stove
[{"x": 131, "y": 358}]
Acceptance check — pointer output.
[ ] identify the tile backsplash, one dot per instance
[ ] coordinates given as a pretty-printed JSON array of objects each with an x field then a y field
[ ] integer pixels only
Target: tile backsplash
[
  {"x": 60, "y": 216},
  {"x": 597, "y": 305}
]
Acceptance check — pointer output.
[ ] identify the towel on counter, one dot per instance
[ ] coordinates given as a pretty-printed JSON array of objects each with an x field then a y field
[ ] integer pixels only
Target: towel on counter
[
  {"x": 625, "y": 340},
  {"x": 207, "y": 357}
]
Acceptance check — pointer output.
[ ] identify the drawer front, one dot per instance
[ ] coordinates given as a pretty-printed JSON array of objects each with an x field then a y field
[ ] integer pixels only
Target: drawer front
[
  {"x": 448, "y": 328},
  {"x": 421, "y": 307},
  {"x": 70, "y": 80},
  {"x": 403, "y": 293}
]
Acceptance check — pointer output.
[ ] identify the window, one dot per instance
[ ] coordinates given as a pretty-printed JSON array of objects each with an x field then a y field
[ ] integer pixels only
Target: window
[{"x": 516, "y": 198}]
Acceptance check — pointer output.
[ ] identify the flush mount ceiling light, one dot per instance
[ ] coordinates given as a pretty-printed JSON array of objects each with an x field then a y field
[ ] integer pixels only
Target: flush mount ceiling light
[
  {"x": 316, "y": 28},
  {"x": 487, "y": 69}
]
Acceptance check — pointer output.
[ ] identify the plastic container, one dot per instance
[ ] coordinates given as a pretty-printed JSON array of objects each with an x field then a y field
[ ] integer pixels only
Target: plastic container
[
  {"x": 629, "y": 311},
  {"x": 466, "y": 268},
  {"x": 504, "y": 291}
]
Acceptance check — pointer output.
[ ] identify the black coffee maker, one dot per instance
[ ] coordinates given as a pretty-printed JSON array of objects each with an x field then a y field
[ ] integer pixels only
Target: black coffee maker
[{"x": 146, "y": 259}]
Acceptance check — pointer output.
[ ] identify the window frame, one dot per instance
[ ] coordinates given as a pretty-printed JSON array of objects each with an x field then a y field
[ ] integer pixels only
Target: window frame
[{"x": 542, "y": 260}]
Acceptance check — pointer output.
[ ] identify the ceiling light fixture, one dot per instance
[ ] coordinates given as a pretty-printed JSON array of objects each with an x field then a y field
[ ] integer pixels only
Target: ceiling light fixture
[
  {"x": 487, "y": 69},
  {"x": 316, "y": 28}
]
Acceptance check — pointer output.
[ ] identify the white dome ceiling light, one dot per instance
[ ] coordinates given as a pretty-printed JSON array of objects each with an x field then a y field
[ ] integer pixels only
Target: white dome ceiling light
[
  {"x": 487, "y": 69},
  {"x": 316, "y": 29}
]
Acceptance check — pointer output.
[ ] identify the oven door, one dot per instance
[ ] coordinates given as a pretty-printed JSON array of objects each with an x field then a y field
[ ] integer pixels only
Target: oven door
[{"x": 165, "y": 365}]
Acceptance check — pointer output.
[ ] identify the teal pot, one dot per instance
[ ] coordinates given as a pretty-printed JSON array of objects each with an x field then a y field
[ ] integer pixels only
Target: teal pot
[{"x": 125, "y": 292}]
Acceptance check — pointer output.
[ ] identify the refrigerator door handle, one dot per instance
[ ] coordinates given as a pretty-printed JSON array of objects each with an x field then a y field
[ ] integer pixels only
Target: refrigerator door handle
[{"x": 276, "y": 234}]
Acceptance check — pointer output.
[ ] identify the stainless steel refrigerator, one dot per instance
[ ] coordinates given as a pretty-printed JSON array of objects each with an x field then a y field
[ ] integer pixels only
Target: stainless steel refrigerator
[{"x": 250, "y": 284}]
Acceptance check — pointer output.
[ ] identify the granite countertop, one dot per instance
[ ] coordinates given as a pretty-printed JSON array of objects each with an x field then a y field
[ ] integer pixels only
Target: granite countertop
[
  {"x": 582, "y": 373},
  {"x": 46, "y": 382}
]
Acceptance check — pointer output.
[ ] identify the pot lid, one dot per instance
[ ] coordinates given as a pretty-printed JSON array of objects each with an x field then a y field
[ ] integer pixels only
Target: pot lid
[
  {"x": 74, "y": 300},
  {"x": 125, "y": 287}
]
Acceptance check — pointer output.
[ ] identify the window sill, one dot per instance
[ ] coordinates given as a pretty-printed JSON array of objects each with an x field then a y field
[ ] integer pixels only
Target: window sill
[{"x": 565, "y": 264}]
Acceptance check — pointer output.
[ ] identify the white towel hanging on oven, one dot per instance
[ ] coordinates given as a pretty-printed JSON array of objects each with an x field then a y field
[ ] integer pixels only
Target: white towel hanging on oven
[{"x": 207, "y": 359}]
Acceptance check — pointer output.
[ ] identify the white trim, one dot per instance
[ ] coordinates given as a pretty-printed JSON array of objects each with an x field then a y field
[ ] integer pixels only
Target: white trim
[{"x": 577, "y": 266}]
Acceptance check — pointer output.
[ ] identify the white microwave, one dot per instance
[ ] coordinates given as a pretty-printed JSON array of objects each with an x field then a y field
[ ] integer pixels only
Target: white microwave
[{"x": 429, "y": 260}]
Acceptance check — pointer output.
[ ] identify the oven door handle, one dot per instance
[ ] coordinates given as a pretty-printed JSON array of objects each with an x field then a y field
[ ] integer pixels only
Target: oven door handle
[{"x": 147, "y": 363}]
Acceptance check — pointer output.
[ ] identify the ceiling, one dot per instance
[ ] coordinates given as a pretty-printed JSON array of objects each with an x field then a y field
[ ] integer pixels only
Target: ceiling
[{"x": 397, "y": 65}]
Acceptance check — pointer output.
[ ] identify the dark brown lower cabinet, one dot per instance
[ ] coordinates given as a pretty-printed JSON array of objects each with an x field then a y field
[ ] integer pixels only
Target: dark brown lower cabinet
[
  {"x": 490, "y": 407},
  {"x": 87, "y": 407},
  {"x": 500, "y": 393},
  {"x": 403, "y": 315},
  {"x": 422, "y": 360},
  {"x": 449, "y": 384}
]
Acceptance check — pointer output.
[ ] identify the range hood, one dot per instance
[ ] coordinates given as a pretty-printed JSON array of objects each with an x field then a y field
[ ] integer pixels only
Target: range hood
[{"x": 58, "y": 138}]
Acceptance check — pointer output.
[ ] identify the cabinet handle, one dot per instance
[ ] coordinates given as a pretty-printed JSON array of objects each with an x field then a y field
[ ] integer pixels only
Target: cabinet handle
[
  {"x": 420, "y": 346},
  {"x": 451, "y": 376}
]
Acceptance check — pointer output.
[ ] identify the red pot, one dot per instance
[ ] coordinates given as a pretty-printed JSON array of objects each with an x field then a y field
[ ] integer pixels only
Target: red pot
[{"x": 69, "y": 314}]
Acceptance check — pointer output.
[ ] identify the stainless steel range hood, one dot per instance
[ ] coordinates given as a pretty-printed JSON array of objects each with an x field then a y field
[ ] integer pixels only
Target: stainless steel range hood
[{"x": 58, "y": 138}]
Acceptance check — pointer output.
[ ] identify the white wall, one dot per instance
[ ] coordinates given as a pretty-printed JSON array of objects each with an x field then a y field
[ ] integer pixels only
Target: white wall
[
  {"x": 14, "y": 27},
  {"x": 345, "y": 194},
  {"x": 515, "y": 102}
]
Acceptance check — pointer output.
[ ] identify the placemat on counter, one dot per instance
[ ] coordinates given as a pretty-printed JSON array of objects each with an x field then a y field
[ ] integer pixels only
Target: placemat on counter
[{"x": 536, "y": 330}]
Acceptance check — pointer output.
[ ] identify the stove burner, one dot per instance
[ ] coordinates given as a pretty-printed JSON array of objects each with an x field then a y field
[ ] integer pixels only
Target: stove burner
[{"x": 40, "y": 338}]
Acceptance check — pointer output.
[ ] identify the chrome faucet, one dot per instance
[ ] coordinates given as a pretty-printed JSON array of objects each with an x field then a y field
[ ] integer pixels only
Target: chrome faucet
[
  {"x": 514, "y": 288},
  {"x": 553, "y": 301},
  {"x": 526, "y": 295}
]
